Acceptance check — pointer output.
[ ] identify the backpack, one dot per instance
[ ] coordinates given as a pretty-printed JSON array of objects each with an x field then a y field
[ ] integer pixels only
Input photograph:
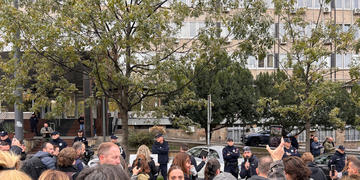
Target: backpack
[{"x": 33, "y": 167}]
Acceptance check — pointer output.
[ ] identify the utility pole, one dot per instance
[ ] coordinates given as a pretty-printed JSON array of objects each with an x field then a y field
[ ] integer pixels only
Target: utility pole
[
  {"x": 19, "y": 119},
  {"x": 209, "y": 119}
]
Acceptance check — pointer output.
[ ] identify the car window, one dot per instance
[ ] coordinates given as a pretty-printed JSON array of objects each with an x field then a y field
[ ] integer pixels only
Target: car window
[
  {"x": 195, "y": 152},
  {"x": 213, "y": 154}
]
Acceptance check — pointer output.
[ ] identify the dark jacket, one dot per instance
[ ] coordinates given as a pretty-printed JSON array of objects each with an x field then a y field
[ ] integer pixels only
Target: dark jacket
[
  {"x": 231, "y": 154},
  {"x": 292, "y": 151},
  {"x": 8, "y": 140},
  {"x": 294, "y": 142},
  {"x": 153, "y": 170},
  {"x": 34, "y": 120},
  {"x": 46, "y": 159},
  {"x": 81, "y": 139},
  {"x": 316, "y": 147},
  {"x": 81, "y": 120},
  {"x": 71, "y": 171},
  {"x": 256, "y": 177},
  {"x": 253, "y": 160},
  {"x": 338, "y": 160},
  {"x": 311, "y": 141},
  {"x": 59, "y": 142},
  {"x": 316, "y": 172},
  {"x": 18, "y": 151},
  {"x": 122, "y": 152},
  {"x": 162, "y": 150},
  {"x": 197, "y": 167}
]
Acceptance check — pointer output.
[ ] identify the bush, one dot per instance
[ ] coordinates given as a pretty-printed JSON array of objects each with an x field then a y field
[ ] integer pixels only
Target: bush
[{"x": 138, "y": 139}]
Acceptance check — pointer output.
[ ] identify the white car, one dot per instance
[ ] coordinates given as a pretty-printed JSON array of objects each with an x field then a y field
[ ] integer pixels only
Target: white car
[{"x": 213, "y": 152}]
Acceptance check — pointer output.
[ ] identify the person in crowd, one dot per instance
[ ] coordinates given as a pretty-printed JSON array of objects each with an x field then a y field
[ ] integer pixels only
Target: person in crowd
[
  {"x": 109, "y": 153},
  {"x": 81, "y": 122},
  {"x": 53, "y": 175},
  {"x": 4, "y": 146},
  {"x": 45, "y": 155},
  {"x": 212, "y": 171},
  {"x": 33, "y": 123},
  {"x": 231, "y": 155},
  {"x": 338, "y": 159},
  {"x": 316, "y": 147},
  {"x": 352, "y": 177},
  {"x": 316, "y": 172},
  {"x": 80, "y": 150},
  {"x": 294, "y": 141},
  {"x": 104, "y": 171},
  {"x": 311, "y": 141},
  {"x": 263, "y": 168},
  {"x": 46, "y": 131},
  {"x": 141, "y": 164},
  {"x": 197, "y": 168},
  {"x": 80, "y": 137},
  {"x": 114, "y": 139},
  {"x": 175, "y": 173},
  {"x": 352, "y": 167},
  {"x": 143, "y": 149},
  {"x": 18, "y": 148},
  {"x": 56, "y": 140},
  {"x": 329, "y": 145},
  {"x": 161, "y": 148},
  {"x": 5, "y": 137},
  {"x": 183, "y": 161},
  {"x": 66, "y": 162},
  {"x": 288, "y": 149},
  {"x": 9, "y": 167},
  {"x": 248, "y": 167},
  {"x": 56, "y": 151}
]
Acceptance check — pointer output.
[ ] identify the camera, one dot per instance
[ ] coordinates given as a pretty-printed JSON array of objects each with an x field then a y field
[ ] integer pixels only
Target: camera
[{"x": 87, "y": 155}]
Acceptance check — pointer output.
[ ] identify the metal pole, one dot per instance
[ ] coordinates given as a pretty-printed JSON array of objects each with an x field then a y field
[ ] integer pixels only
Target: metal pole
[
  {"x": 209, "y": 120},
  {"x": 103, "y": 118},
  {"x": 19, "y": 119}
]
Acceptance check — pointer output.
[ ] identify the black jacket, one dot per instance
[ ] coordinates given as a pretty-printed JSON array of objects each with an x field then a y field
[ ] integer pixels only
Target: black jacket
[
  {"x": 34, "y": 120},
  {"x": 153, "y": 169},
  {"x": 231, "y": 154},
  {"x": 290, "y": 152},
  {"x": 162, "y": 150},
  {"x": 294, "y": 142},
  {"x": 71, "y": 171},
  {"x": 197, "y": 167},
  {"x": 316, "y": 172},
  {"x": 59, "y": 142},
  {"x": 338, "y": 160},
  {"x": 81, "y": 139},
  {"x": 253, "y": 160}
]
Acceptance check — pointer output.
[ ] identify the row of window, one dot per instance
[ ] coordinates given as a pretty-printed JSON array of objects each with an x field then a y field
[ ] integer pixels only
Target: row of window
[{"x": 351, "y": 134}]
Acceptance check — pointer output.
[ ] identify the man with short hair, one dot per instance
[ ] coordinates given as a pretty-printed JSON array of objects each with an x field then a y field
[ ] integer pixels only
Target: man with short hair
[
  {"x": 288, "y": 149},
  {"x": 316, "y": 147},
  {"x": 109, "y": 153},
  {"x": 56, "y": 140},
  {"x": 45, "y": 155},
  {"x": 248, "y": 167},
  {"x": 329, "y": 145},
  {"x": 46, "y": 131},
  {"x": 354, "y": 167},
  {"x": 263, "y": 168},
  {"x": 5, "y": 137},
  {"x": 161, "y": 148},
  {"x": 114, "y": 139},
  {"x": 231, "y": 155},
  {"x": 80, "y": 150}
]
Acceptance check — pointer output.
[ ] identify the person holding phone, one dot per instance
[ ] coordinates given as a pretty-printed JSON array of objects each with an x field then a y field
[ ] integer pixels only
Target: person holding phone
[
  {"x": 248, "y": 167},
  {"x": 197, "y": 168},
  {"x": 141, "y": 167}
]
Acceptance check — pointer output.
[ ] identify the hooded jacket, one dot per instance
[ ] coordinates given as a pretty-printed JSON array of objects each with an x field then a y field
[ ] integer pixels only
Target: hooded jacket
[
  {"x": 46, "y": 159},
  {"x": 316, "y": 172}
]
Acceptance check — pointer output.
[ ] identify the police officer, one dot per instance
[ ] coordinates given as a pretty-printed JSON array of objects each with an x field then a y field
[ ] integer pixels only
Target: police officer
[
  {"x": 248, "y": 167},
  {"x": 231, "y": 155},
  {"x": 114, "y": 139},
  {"x": 161, "y": 148},
  {"x": 80, "y": 137},
  {"x": 288, "y": 149},
  {"x": 338, "y": 159},
  {"x": 5, "y": 137},
  {"x": 56, "y": 140}
]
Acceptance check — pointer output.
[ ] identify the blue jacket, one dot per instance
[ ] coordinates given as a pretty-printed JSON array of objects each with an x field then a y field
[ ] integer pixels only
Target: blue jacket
[
  {"x": 316, "y": 147},
  {"x": 46, "y": 159},
  {"x": 338, "y": 160},
  {"x": 231, "y": 154},
  {"x": 290, "y": 152},
  {"x": 162, "y": 150},
  {"x": 253, "y": 160}
]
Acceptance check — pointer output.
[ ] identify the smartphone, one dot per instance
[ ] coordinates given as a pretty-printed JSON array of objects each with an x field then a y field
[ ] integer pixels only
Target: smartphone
[
  {"x": 332, "y": 169},
  {"x": 138, "y": 163}
]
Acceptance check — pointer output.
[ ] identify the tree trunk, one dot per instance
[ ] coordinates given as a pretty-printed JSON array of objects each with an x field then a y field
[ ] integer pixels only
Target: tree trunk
[
  {"x": 124, "y": 115},
  {"x": 307, "y": 128}
]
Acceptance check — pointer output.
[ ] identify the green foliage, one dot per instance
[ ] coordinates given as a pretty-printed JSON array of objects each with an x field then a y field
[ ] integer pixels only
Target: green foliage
[{"x": 137, "y": 139}]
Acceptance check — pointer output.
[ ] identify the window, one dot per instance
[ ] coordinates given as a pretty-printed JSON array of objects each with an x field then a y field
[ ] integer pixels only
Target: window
[
  {"x": 261, "y": 63},
  {"x": 309, "y": 4},
  {"x": 355, "y": 4},
  {"x": 339, "y": 4},
  {"x": 351, "y": 134},
  {"x": 323, "y": 133},
  {"x": 301, "y": 3},
  {"x": 270, "y": 60},
  {"x": 269, "y": 4},
  {"x": 347, "y": 61},
  {"x": 251, "y": 61},
  {"x": 339, "y": 61},
  {"x": 317, "y": 4},
  {"x": 347, "y": 4}
]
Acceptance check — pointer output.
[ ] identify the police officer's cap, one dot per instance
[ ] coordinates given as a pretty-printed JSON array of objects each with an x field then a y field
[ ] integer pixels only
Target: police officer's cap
[
  {"x": 55, "y": 133},
  {"x": 3, "y": 133},
  {"x": 287, "y": 140},
  {"x": 113, "y": 137}
]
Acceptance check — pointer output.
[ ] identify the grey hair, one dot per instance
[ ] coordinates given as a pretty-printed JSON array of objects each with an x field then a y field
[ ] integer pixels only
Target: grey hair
[
  {"x": 104, "y": 171},
  {"x": 77, "y": 145}
]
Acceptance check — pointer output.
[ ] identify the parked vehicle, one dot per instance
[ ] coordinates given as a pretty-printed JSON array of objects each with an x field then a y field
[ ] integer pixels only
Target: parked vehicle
[{"x": 255, "y": 139}]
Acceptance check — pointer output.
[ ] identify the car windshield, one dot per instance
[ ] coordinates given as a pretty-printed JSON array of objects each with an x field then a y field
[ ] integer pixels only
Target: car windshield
[{"x": 195, "y": 152}]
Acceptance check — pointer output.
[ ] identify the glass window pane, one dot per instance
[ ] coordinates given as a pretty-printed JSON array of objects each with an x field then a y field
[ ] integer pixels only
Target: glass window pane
[
  {"x": 347, "y": 60},
  {"x": 355, "y": 4},
  {"x": 309, "y": 4},
  {"x": 261, "y": 63},
  {"x": 339, "y": 61},
  {"x": 338, "y": 4},
  {"x": 251, "y": 62},
  {"x": 347, "y": 4},
  {"x": 317, "y": 3},
  {"x": 270, "y": 60}
]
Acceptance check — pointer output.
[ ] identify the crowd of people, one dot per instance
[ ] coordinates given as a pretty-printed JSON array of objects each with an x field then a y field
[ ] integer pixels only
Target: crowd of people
[{"x": 57, "y": 161}]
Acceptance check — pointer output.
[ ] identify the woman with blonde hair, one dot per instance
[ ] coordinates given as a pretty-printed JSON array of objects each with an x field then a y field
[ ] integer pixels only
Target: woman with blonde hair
[
  {"x": 9, "y": 165},
  {"x": 53, "y": 175},
  {"x": 144, "y": 150}
]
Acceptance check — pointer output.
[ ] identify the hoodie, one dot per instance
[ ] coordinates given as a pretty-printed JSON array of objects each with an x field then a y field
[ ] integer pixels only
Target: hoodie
[
  {"x": 46, "y": 159},
  {"x": 316, "y": 172}
]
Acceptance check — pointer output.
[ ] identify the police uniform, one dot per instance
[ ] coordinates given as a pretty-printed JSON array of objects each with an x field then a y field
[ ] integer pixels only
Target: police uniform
[
  {"x": 290, "y": 152},
  {"x": 81, "y": 139},
  {"x": 231, "y": 155}
]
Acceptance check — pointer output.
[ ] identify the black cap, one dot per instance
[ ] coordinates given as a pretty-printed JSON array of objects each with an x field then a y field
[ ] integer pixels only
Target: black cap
[
  {"x": 55, "y": 133},
  {"x": 158, "y": 135},
  {"x": 3, "y": 133},
  {"x": 113, "y": 137},
  {"x": 287, "y": 140},
  {"x": 341, "y": 147},
  {"x": 229, "y": 139},
  {"x": 247, "y": 149}
]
